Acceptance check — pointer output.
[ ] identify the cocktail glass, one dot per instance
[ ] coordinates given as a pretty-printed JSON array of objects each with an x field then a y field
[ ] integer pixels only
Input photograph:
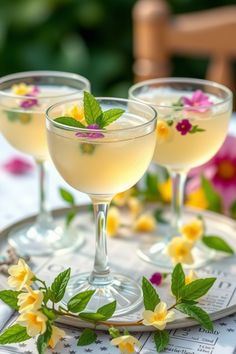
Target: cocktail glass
[
  {"x": 102, "y": 164},
  {"x": 193, "y": 123},
  {"x": 23, "y": 125}
]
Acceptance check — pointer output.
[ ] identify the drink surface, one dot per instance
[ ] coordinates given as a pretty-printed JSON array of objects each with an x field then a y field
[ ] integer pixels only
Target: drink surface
[
  {"x": 25, "y": 129},
  {"x": 104, "y": 166},
  {"x": 181, "y": 152}
]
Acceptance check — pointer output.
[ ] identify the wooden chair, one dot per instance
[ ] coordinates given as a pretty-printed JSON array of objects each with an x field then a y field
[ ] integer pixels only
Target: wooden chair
[{"x": 158, "y": 35}]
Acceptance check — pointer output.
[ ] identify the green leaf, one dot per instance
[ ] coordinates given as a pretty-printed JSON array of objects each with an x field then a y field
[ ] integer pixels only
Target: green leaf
[
  {"x": 92, "y": 109},
  {"x": 232, "y": 210},
  {"x": 110, "y": 116},
  {"x": 79, "y": 302},
  {"x": 196, "y": 288},
  {"x": 213, "y": 198},
  {"x": 158, "y": 215},
  {"x": 14, "y": 334},
  {"x": 150, "y": 296},
  {"x": 107, "y": 310},
  {"x": 10, "y": 297},
  {"x": 217, "y": 243},
  {"x": 198, "y": 314},
  {"x": 59, "y": 285},
  {"x": 196, "y": 129},
  {"x": 70, "y": 217},
  {"x": 88, "y": 336},
  {"x": 67, "y": 196},
  {"x": 12, "y": 116},
  {"x": 43, "y": 339},
  {"x": 114, "y": 332},
  {"x": 177, "y": 280},
  {"x": 151, "y": 183},
  {"x": 71, "y": 122},
  {"x": 49, "y": 313},
  {"x": 161, "y": 339},
  {"x": 91, "y": 316}
]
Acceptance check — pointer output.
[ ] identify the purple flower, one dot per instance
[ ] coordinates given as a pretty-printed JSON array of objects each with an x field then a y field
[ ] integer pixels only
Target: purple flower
[
  {"x": 184, "y": 126},
  {"x": 95, "y": 135},
  {"x": 198, "y": 102},
  {"x": 28, "y": 103},
  {"x": 17, "y": 166},
  {"x": 156, "y": 278},
  {"x": 35, "y": 91}
]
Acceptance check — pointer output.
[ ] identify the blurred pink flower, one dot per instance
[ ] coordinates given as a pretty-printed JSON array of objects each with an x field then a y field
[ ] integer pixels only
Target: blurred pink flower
[
  {"x": 156, "y": 278},
  {"x": 29, "y": 102},
  {"x": 198, "y": 99},
  {"x": 221, "y": 171},
  {"x": 17, "y": 166},
  {"x": 95, "y": 135}
]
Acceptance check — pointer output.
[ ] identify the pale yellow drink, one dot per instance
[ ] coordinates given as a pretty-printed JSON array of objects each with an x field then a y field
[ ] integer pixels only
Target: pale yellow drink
[
  {"x": 182, "y": 152},
  {"x": 104, "y": 166}
]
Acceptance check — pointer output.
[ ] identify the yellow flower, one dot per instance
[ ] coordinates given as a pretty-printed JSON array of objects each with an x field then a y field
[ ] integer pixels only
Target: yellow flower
[
  {"x": 159, "y": 317},
  {"x": 193, "y": 231},
  {"x": 145, "y": 223},
  {"x": 163, "y": 131},
  {"x": 22, "y": 89},
  {"x": 34, "y": 321},
  {"x": 20, "y": 275},
  {"x": 165, "y": 189},
  {"x": 135, "y": 206},
  {"x": 121, "y": 199},
  {"x": 180, "y": 250},
  {"x": 126, "y": 344},
  {"x": 30, "y": 301},
  {"x": 197, "y": 199},
  {"x": 113, "y": 221},
  {"x": 190, "y": 277},
  {"x": 75, "y": 112},
  {"x": 57, "y": 334}
]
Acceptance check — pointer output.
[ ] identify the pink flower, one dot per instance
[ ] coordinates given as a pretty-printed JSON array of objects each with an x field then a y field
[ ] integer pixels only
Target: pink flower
[
  {"x": 17, "y": 166},
  {"x": 198, "y": 99},
  {"x": 28, "y": 103},
  {"x": 184, "y": 126},
  {"x": 35, "y": 91},
  {"x": 95, "y": 135},
  {"x": 156, "y": 278},
  {"x": 221, "y": 171}
]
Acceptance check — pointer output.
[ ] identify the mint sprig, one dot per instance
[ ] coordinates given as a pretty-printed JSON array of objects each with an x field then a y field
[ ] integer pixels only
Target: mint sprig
[{"x": 217, "y": 243}]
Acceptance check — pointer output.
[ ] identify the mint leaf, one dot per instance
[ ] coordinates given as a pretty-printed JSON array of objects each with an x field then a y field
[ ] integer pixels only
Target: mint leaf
[
  {"x": 196, "y": 288},
  {"x": 232, "y": 210},
  {"x": 59, "y": 285},
  {"x": 10, "y": 297},
  {"x": 92, "y": 109},
  {"x": 217, "y": 243},
  {"x": 196, "y": 129},
  {"x": 158, "y": 215},
  {"x": 110, "y": 116},
  {"x": 91, "y": 316},
  {"x": 107, "y": 310},
  {"x": 196, "y": 313},
  {"x": 177, "y": 280},
  {"x": 79, "y": 302},
  {"x": 70, "y": 217},
  {"x": 43, "y": 339},
  {"x": 14, "y": 334},
  {"x": 12, "y": 116},
  {"x": 67, "y": 196},
  {"x": 88, "y": 336},
  {"x": 150, "y": 296},
  {"x": 71, "y": 122},
  {"x": 213, "y": 198},
  {"x": 161, "y": 339}
]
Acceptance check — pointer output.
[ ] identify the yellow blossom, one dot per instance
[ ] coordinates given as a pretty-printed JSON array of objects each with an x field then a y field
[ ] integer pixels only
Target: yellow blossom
[
  {"x": 180, "y": 250},
  {"x": 190, "y": 277},
  {"x": 56, "y": 335},
  {"x": 121, "y": 199},
  {"x": 197, "y": 199},
  {"x": 113, "y": 221},
  {"x": 75, "y": 112},
  {"x": 163, "y": 131},
  {"x": 34, "y": 321},
  {"x": 126, "y": 344},
  {"x": 21, "y": 89},
  {"x": 135, "y": 206},
  {"x": 145, "y": 223},
  {"x": 159, "y": 317},
  {"x": 20, "y": 275},
  {"x": 30, "y": 301},
  {"x": 193, "y": 231},
  {"x": 165, "y": 189}
]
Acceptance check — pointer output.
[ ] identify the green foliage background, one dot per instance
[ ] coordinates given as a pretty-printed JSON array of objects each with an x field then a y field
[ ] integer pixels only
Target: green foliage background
[{"x": 90, "y": 37}]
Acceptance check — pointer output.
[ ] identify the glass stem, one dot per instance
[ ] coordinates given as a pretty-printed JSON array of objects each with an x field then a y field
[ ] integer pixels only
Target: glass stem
[
  {"x": 100, "y": 275},
  {"x": 178, "y": 183},
  {"x": 44, "y": 215}
]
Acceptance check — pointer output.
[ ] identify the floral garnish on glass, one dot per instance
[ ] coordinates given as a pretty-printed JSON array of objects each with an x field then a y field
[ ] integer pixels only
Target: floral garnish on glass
[{"x": 29, "y": 91}]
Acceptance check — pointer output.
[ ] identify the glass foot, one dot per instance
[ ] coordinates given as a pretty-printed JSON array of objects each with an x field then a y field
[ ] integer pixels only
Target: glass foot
[
  {"x": 125, "y": 291},
  {"x": 35, "y": 240},
  {"x": 155, "y": 252}
]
